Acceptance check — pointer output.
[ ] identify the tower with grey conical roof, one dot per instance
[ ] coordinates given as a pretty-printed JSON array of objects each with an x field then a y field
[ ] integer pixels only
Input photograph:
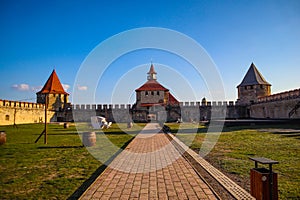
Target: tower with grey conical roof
[{"x": 252, "y": 87}]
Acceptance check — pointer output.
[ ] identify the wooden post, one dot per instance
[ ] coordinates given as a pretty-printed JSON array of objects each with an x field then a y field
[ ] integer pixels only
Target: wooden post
[
  {"x": 15, "y": 114},
  {"x": 45, "y": 129}
]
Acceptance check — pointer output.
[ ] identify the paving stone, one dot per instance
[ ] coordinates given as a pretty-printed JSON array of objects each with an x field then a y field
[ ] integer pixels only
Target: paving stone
[
  {"x": 105, "y": 197},
  {"x": 144, "y": 196},
  {"x": 98, "y": 194},
  {"x": 116, "y": 194},
  {"x": 124, "y": 197},
  {"x": 126, "y": 191},
  {"x": 134, "y": 194}
]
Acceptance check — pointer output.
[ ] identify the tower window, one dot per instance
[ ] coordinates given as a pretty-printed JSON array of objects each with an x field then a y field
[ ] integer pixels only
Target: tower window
[
  {"x": 157, "y": 92},
  {"x": 261, "y": 86},
  {"x": 7, "y": 117},
  {"x": 146, "y": 93},
  {"x": 152, "y": 93}
]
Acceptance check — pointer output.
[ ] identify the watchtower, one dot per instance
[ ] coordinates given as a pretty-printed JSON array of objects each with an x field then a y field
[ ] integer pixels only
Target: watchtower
[
  {"x": 252, "y": 87},
  {"x": 152, "y": 93},
  {"x": 53, "y": 93}
]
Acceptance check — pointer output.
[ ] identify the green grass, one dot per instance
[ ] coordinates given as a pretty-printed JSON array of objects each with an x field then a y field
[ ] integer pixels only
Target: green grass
[
  {"x": 236, "y": 144},
  {"x": 54, "y": 170}
]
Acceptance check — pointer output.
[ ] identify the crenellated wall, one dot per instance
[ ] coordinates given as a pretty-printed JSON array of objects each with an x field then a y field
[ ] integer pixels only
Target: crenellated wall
[
  {"x": 15, "y": 112},
  {"x": 187, "y": 111},
  {"x": 285, "y": 105},
  {"x": 282, "y": 105},
  {"x": 88, "y": 107},
  {"x": 100, "y": 106},
  {"x": 191, "y": 111},
  {"x": 118, "y": 112},
  {"x": 20, "y": 104},
  {"x": 292, "y": 94}
]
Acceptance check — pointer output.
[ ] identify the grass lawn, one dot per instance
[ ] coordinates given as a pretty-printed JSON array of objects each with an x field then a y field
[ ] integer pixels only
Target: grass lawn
[
  {"x": 236, "y": 144},
  {"x": 54, "y": 170}
]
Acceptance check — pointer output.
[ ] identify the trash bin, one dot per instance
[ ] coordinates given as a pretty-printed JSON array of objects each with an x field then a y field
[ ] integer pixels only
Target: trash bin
[{"x": 263, "y": 182}]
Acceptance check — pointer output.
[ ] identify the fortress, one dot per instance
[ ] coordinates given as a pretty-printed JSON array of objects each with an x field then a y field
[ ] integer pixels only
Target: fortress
[{"x": 155, "y": 102}]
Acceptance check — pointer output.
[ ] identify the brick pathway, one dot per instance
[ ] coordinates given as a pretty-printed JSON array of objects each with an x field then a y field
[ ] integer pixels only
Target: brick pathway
[{"x": 149, "y": 168}]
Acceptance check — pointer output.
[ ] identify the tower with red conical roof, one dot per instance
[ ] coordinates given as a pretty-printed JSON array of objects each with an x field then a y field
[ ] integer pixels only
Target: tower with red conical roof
[{"x": 54, "y": 93}]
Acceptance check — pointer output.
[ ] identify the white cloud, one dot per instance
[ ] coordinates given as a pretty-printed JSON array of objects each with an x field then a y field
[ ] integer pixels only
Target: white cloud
[
  {"x": 66, "y": 86},
  {"x": 36, "y": 88},
  {"x": 21, "y": 87},
  {"x": 26, "y": 87},
  {"x": 79, "y": 87}
]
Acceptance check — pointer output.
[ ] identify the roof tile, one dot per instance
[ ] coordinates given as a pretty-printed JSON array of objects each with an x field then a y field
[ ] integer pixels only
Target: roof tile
[
  {"x": 253, "y": 77},
  {"x": 152, "y": 85},
  {"x": 53, "y": 85}
]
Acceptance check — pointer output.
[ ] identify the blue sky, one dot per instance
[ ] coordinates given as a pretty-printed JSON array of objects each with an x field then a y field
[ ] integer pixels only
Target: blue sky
[{"x": 38, "y": 36}]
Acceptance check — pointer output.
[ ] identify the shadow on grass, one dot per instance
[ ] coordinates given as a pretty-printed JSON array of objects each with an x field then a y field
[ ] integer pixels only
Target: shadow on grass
[
  {"x": 61, "y": 147},
  {"x": 237, "y": 127},
  {"x": 97, "y": 173},
  {"x": 97, "y": 132},
  {"x": 58, "y": 134},
  {"x": 290, "y": 135},
  {"x": 121, "y": 132}
]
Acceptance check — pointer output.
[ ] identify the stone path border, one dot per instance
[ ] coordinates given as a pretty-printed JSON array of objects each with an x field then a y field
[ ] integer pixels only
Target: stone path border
[{"x": 234, "y": 189}]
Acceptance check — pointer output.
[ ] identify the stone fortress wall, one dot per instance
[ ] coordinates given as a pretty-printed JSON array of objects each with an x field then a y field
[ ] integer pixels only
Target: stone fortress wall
[
  {"x": 119, "y": 113},
  {"x": 277, "y": 106},
  {"x": 187, "y": 111},
  {"x": 16, "y": 112},
  {"x": 283, "y": 105}
]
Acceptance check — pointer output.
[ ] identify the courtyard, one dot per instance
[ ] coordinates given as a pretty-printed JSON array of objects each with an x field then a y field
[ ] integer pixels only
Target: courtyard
[{"x": 61, "y": 168}]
